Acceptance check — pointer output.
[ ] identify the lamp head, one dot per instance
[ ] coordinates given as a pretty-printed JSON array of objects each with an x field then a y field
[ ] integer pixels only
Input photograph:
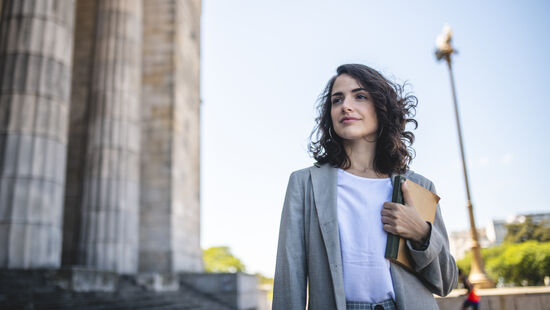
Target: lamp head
[{"x": 443, "y": 43}]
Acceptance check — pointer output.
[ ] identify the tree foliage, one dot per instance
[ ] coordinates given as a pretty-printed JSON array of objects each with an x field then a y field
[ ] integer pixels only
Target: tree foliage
[
  {"x": 524, "y": 263},
  {"x": 523, "y": 258},
  {"x": 220, "y": 259},
  {"x": 527, "y": 230},
  {"x": 487, "y": 255},
  {"x": 263, "y": 279},
  {"x": 267, "y": 281}
]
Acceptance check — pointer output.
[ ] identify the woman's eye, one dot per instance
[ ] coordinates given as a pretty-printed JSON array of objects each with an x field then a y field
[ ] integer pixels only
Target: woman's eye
[
  {"x": 361, "y": 96},
  {"x": 336, "y": 100}
]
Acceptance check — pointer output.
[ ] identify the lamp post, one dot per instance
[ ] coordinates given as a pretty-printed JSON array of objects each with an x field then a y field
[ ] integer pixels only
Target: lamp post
[{"x": 477, "y": 276}]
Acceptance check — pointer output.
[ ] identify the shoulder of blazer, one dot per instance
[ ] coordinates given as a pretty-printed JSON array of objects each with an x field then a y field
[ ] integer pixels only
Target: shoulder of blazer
[
  {"x": 321, "y": 166},
  {"x": 322, "y": 172},
  {"x": 420, "y": 180}
]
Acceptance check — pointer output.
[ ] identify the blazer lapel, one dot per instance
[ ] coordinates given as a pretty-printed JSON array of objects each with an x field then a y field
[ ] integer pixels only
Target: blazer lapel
[{"x": 324, "y": 181}]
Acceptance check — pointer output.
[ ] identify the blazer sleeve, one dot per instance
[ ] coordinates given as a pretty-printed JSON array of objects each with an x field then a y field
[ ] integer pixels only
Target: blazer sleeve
[
  {"x": 289, "y": 287},
  {"x": 435, "y": 264}
]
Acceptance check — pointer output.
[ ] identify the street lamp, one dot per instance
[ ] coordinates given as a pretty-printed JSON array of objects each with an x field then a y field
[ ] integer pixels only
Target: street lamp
[{"x": 478, "y": 277}]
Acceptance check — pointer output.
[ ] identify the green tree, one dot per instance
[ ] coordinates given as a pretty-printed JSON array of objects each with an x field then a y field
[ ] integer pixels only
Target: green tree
[
  {"x": 515, "y": 263},
  {"x": 523, "y": 258},
  {"x": 488, "y": 256},
  {"x": 220, "y": 259},
  {"x": 263, "y": 280},
  {"x": 527, "y": 262},
  {"x": 528, "y": 230}
]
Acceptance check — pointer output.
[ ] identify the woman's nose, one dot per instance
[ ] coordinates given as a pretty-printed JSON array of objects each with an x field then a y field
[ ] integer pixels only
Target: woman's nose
[{"x": 346, "y": 105}]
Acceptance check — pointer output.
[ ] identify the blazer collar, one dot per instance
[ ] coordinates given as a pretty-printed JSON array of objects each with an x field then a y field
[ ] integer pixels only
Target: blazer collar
[{"x": 324, "y": 181}]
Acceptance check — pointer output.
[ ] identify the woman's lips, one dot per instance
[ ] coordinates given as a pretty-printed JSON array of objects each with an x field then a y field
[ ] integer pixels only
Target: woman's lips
[{"x": 346, "y": 120}]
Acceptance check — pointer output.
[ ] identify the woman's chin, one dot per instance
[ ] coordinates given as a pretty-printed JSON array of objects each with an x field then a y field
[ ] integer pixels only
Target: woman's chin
[{"x": 358, "y": 138}]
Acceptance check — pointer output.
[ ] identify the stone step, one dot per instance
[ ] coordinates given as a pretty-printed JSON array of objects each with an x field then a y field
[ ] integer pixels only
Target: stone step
[
  {"x": 42, "y": 291},
  {"x": 105, "y": 301},
  {"x": 112, "y": 302}
]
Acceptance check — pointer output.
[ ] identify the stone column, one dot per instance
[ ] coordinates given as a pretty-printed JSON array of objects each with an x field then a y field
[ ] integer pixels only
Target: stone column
[
  {"x": 83, "y": 63},
  {"x": 186, "y": 139},
  {"x": 36, "y": 39},
  {"x": 170, "y": 185},
  {"x": 108, "y": 238}
]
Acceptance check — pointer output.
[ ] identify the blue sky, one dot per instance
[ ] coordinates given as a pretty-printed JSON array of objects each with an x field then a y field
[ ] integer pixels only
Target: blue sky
[{"x": 264, "y": 63}]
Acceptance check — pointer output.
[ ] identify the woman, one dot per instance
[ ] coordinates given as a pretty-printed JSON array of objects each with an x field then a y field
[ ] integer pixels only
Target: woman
[{"x": 337, "y": 213}]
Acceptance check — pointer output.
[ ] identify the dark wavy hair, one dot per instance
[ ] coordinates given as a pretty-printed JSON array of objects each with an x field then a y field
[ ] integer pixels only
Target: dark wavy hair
[{"x": 394, "y": 109}]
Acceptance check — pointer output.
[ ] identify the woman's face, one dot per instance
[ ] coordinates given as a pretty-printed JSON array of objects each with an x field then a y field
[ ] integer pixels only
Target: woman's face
[{"x": 352, "y": 111}]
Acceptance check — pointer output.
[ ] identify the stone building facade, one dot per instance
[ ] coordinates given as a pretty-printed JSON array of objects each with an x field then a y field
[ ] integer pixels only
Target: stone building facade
[{"x": 99, "y": 135}]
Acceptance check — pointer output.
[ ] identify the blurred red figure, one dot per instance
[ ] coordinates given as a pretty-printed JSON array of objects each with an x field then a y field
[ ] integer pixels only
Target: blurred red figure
[{"x": 472, "y": 300}]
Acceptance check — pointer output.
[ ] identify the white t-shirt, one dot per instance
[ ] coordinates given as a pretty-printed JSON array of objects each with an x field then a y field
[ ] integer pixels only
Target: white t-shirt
[{"x": 367, "y": 276}]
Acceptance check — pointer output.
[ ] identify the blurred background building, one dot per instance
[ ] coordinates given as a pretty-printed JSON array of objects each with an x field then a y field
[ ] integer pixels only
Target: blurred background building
[{"x": 460, "y": 241}]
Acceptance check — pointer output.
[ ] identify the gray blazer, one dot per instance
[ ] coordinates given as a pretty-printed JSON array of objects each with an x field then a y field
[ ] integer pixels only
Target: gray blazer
[{"x": 309, "y": 250}]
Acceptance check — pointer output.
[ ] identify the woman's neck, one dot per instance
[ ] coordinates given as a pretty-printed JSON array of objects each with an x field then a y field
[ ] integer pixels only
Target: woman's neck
[{"x": 361, "y": 155}]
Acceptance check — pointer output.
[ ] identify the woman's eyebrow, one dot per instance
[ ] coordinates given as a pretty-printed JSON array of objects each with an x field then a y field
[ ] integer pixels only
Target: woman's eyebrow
[{"x": 339, "y": 93}]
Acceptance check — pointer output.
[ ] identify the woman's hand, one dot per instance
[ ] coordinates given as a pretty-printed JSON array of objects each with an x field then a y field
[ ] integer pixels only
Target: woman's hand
[{"x": 404, "y": 220}]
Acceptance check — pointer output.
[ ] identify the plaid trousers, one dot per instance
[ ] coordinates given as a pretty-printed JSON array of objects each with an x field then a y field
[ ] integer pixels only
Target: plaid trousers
[{"x": 359, "y": 305}]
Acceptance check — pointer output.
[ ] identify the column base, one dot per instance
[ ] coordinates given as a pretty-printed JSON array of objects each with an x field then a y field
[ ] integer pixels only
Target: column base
[{"x": 481, "y": 280}]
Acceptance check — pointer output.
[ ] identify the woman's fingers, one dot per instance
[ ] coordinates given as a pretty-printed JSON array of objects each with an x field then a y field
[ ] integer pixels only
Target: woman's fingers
[
  {"x": 390, "y": 205},
  {"x": 403, "y": 220},
  {"x": 388, "y": 219},
  {"x": 388, "y": 213},
  {"x": 390, "y": 229},
  {"x": 389, "y": 216}
]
